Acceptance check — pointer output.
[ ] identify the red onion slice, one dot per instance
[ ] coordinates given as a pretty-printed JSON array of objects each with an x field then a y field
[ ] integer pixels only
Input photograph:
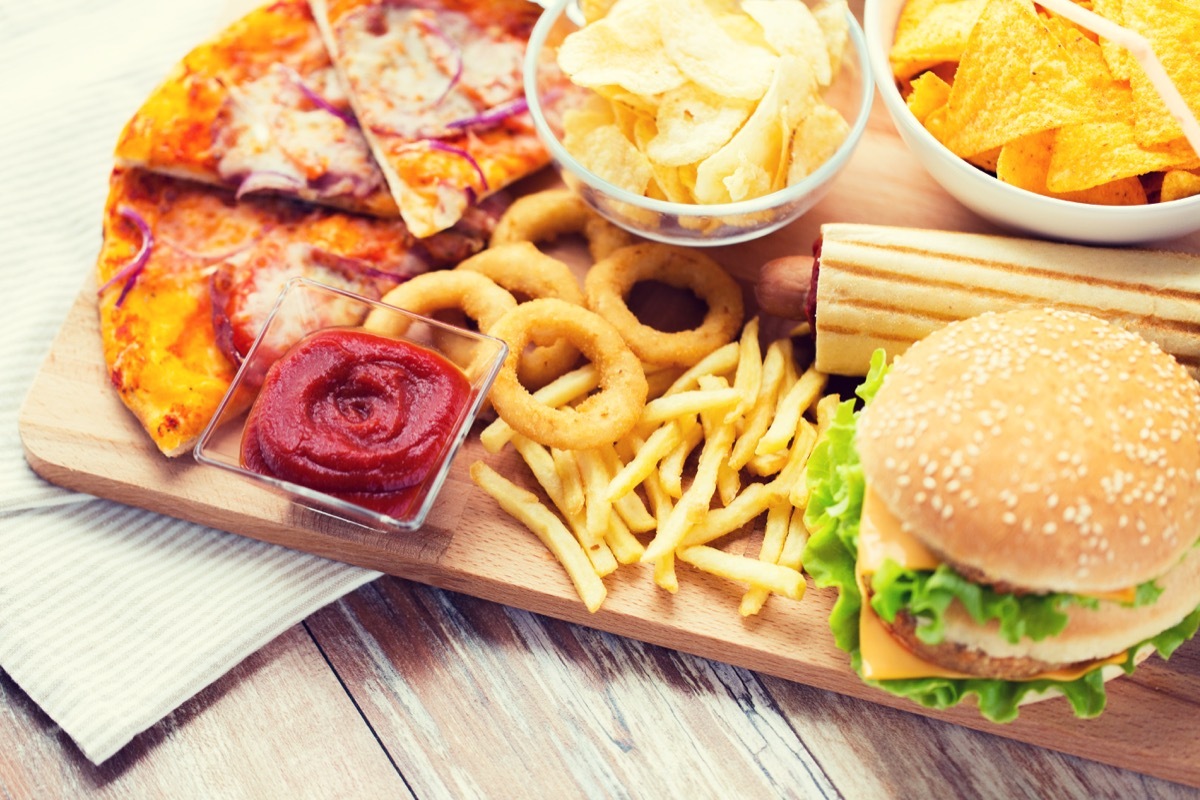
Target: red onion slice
[
  {"x": 130, "y": 272},
  {"x": 317, "y": 100},
  {"x": 434, "y": 144},
  {"x": 491, "y": 116},
  {"x": 267, "y": 180},
  {"x": 456, "y": 53}
]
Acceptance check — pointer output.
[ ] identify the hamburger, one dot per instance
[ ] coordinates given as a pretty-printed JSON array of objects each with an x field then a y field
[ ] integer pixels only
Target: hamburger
[{"x": 1012, "y": 512}]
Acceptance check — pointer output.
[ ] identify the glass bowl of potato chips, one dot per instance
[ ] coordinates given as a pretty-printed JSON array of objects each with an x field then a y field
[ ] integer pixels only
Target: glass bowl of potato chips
[
  {"x": 690, "y": 123},
  {"x": 1038, "y": 124}
]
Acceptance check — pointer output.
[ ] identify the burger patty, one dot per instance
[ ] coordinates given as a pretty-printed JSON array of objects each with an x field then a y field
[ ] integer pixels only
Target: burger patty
[{"x": 962, "y": 658}]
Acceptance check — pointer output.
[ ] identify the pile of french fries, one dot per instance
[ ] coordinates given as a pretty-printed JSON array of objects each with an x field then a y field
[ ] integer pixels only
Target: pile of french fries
[{"x": 746, "y": 418}]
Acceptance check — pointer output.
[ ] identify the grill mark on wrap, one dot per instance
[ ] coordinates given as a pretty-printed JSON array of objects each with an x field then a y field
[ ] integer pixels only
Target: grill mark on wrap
[{"x": 865, "y": 270}]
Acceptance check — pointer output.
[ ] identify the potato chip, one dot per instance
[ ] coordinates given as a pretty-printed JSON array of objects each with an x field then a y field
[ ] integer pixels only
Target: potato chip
[
  {"x": 760, "y": 141},
  {"x": 817, "y": 138},
  {"x": 831, "y": 17},
  {"x": 693, "y": 123},
  {"x": 1179, "y": 183},
  {"x": 605, "y": 151},
  {"x": 622, "y": 49},
  {"x": 792, "y": 30},
  {"x": 1173, "y": 30},
  {"x": 929, "y": 92},
  {"x": 1014, "y": 79},
  {"x": 933, "y": 31},
  {"x": 702, "y": 50}
]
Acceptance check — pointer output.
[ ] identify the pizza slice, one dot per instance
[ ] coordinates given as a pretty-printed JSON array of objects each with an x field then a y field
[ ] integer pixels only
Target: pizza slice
[
  {"x": 187, "y": 274},
  {"x": 437, "y": 87},
  {"x": 259, "y": 108}
]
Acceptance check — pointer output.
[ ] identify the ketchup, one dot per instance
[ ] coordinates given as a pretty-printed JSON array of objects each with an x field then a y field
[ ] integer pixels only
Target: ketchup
[{"x": 356, "y": 415}]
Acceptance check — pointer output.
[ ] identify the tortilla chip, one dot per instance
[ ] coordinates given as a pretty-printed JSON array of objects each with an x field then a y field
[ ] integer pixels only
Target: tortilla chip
[
  {"x": 1025, "y": 163},
  {"x": 1015, "y": 79},
  {"x": 1178, "y": 184}
]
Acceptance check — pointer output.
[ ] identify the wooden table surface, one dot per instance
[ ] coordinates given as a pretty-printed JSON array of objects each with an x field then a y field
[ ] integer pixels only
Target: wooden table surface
[{"x": 402, "y": 690}]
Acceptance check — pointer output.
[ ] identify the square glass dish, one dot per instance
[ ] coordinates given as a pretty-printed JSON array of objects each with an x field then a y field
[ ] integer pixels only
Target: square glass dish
[{"x": 352, "y": 407}]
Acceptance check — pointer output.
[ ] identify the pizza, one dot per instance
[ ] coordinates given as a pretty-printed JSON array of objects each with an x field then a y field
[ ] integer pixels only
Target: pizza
[
  {"x": 437, "y": 88},
  {"x": 260, "y": 108},
  {"x": 187, "y": 274}
]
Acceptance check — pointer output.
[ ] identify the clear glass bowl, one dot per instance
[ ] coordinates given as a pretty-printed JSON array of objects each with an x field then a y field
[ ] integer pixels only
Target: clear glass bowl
[
  {"x": 304, "y": 307},
  {"x": 694, "y": 224}
]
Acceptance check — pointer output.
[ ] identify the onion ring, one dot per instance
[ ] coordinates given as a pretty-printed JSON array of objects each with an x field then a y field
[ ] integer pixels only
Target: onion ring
[
  {"x": 477, "y": 296},
  {"x": 598, "y": 419},
  {"x": 544, "y": 216},
  {"x": 610, "y": 281},
  {"x": 524, "y": 270}
]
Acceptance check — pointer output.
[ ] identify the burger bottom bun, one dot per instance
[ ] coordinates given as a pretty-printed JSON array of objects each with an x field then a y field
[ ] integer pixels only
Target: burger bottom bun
[
  {"x": 1090, "y": 634},
  {"x": 1108, "y": 673}
]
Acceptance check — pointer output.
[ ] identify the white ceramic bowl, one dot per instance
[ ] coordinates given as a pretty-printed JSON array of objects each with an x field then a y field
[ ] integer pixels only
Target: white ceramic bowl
[
  {"x": 698, "y": 225},
  {"x": 999, "y": 202}
]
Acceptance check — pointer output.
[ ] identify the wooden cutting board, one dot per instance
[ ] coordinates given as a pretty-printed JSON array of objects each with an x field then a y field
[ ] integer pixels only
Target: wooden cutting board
[{"x": 77, "y": 434}]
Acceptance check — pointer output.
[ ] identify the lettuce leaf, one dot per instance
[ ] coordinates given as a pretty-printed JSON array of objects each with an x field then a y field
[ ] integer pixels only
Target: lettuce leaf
[{"x": 836, "y": 485}]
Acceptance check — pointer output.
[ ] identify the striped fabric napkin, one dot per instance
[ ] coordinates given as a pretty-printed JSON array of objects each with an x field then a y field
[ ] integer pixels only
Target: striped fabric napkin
[{"x": 110, "y": 617}]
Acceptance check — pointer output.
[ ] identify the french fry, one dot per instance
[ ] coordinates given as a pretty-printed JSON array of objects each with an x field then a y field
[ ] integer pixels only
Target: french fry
[
  {"x": 562, "y": 390},
  {"x": 752, "y": 501},
  {"x": 696, "y": 499},
  {"x": 779, "y": 514},
  {"x": 802, "y": 394},
  {"x": 628, "y": 505},
  {"x": 748, "y": 376},
  {"x": 624, "y": 545},
  {"x": 718, "y": 362},
  {"x": 757, "y": 419},
  {"x": 792, "y": 555},
  {"x": 670, "y": 469},
  {"x": 792, "y": 473},
  {"x": 692, "y": 401},
  {"x": 826, "y": 408},
  {"x": 662, "y": 441},
  {"x": 568, "y": 473},
  {"x": 661, "y": 503},
  {"x": 541, "y": 463},
  {"x": 597, "y": 507},
  {"x": 772, "y": 577},
  {"x": 524, "y": 506}
]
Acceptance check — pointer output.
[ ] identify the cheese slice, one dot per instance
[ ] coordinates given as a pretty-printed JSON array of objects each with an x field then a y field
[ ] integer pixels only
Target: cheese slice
[{"x": 883, "y": 657}]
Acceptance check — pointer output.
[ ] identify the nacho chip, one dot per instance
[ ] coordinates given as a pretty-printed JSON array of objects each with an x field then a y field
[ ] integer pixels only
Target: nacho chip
[
  {"x": 933, "y": 32},
  {"x": 1173, "y": 30},
  {"x": 1014, "y": 79},
  {"x": 1026, "y": 162},
  {"x": 929, "y": 92},
  {"x": 1116, "y": 56},
  {"x": 1101, "y": 152},
  {"x": 1178, "y": 184}
]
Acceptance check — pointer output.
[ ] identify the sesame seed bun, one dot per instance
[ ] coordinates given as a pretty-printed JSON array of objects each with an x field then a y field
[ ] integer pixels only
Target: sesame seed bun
[{"x": 1040, "y": 450}]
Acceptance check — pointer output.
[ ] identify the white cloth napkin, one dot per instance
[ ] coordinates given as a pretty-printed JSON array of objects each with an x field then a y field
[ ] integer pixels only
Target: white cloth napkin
[{"x": 110, "y": 616}]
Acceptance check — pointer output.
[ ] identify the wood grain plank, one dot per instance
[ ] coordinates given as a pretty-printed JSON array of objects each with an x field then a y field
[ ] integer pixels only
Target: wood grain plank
[
  {"x": 461, "y": 691},
  {"x": 278, "y": 725},
  {"x": 77, "y": 434},
  {"x": 473, "y": 699}
]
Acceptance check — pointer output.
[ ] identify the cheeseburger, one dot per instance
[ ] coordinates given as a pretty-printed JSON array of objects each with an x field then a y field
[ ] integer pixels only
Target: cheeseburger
[{"x": 1014, "y": 513}]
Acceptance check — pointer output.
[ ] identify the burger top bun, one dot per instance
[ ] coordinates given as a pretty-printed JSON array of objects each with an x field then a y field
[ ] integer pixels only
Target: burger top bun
[{"x": 1043, "y": 449}]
